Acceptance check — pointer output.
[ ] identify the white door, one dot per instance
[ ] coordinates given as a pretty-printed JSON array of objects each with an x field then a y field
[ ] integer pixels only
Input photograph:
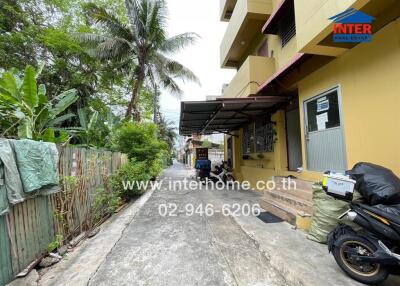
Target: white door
[{"x": 324, "y": 133}]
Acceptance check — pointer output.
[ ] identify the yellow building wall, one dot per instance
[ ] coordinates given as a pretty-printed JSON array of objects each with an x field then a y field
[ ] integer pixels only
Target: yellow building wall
[
  {"x": 369, "y": 80},
  {"x": 273, "y": 163},
  {"x": 281, "y": 55},
  {"x": 254, "y": 72}
]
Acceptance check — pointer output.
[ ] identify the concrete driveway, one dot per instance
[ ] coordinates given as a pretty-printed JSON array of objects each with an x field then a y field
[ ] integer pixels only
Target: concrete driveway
[{"x": 165, "y": 238}]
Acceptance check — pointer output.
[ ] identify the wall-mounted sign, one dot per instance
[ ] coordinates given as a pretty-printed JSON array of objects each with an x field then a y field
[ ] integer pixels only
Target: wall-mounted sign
[
  {"x": 322, "y": 104},
  {"x": 352, "y": 26},
  {"x": 322, "y": 119}
]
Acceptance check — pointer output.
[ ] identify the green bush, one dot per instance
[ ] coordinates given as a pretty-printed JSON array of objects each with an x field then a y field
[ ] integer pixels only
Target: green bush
[
  {"x": 105, "y": 203},
  {"x": 146, "y": 151},
  {"x": 124, "y": 180},
  {"x": 139, "y": 141}
]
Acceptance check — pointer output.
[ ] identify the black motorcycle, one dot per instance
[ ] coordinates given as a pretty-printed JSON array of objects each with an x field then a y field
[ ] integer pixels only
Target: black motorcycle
[{"x": 368, "y": 255}]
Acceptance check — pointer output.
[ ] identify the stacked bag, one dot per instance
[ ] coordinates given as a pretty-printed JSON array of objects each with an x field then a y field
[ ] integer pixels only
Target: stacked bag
[{"x": 375, "y": 186}]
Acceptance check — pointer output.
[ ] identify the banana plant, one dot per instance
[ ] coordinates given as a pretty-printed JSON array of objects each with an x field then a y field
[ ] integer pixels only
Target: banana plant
[
  {"x": 88, "y": 126},
  {"x": 24, "y": 106}
]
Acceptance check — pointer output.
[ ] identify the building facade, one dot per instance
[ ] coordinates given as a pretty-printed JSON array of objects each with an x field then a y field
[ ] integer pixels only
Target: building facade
[
  {"x": 342, "y": 96},
  {"x": 317, "y": 88}
]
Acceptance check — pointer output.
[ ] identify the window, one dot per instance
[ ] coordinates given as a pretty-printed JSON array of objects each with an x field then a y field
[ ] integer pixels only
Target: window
[
  {"x": 287, "y": 27},
  {"x": 258, "y": 137},
  {"x": 264, "y": 137},
  {"x": 323, "y": 112},
  {"x": 287, "y": 32},
  {"x": 248, "y": 139}
]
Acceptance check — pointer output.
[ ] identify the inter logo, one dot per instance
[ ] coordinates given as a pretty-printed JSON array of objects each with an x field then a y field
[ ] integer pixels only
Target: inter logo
[{"x": 352, "y": 26}]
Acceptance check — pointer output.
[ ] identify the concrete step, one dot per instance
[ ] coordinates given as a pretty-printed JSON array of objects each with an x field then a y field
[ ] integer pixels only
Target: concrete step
[
  {"x": 303, "y": 189},
  {"x": 298, "y": 218},
  {"x": 284, "y": 212},
  {"x": 306, "y": 195},
  {"x": 290, "y": 200},
  {"x": 300, "y": 184}
]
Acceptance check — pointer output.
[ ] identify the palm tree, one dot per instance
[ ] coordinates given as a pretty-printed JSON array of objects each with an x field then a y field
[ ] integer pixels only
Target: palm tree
[
  {"x": 156, "y": 105},
  {"x": 167, "y": 131},
  {"x": 140, "y": 48}
]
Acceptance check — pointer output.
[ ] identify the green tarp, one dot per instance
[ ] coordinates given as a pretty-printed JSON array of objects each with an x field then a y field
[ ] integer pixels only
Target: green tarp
[
  {"x": 28, "y": 168},
  {"x": 36, "y": 164},
  {"x": 12, "y": 180},
  {"x": 3, "y": 192}
]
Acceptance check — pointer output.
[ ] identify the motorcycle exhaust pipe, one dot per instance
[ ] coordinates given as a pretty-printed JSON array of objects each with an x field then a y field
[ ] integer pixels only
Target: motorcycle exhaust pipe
[{"x": 354, "y": 217}]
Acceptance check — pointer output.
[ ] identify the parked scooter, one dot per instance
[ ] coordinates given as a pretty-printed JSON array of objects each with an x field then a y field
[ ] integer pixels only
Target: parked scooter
[
  {"x": 371, "y": 254},
  {"x": 221, "y": 173}
]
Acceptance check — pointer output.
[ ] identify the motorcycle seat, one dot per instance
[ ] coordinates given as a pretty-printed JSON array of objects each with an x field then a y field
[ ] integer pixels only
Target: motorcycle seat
[{"x": 392, "y": 213}]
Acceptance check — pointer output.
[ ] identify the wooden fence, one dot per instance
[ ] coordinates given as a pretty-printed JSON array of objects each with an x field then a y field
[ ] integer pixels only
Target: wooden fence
[{"x": 29, "y": 227}]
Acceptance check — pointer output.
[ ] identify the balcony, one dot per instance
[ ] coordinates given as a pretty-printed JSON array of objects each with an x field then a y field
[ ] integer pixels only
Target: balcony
[
  {"x": 246, "y": 22},
  {"x": 254, "y": 71},
  {"x": 314, "y": 29},
  {"x": 227, "y": 7}
]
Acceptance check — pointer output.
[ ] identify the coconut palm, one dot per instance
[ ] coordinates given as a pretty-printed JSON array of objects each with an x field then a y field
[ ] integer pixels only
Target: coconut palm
[
  {"x": 167, "y": 131},
  {"x": 140, "y": 48}
]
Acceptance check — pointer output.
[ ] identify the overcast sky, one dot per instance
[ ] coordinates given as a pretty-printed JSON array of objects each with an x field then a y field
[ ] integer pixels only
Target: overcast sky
[{"x": 201, "y": 17}]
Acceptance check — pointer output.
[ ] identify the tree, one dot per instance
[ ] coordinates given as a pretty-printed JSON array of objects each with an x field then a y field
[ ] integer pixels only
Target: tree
[
  {"x": 167, "y": 132},
  {"x": 38, "y": 32},
  {"x": 140, "y": 47}
]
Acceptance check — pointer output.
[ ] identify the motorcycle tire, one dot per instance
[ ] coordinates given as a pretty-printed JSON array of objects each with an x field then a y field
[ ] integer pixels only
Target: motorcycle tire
[
  {"x": 230, "y": 178},
  {"x": 367, "y": 273}
]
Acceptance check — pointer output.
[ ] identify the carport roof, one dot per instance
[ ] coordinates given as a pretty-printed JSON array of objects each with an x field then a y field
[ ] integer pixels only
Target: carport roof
[{"x": 225, "y": 114}]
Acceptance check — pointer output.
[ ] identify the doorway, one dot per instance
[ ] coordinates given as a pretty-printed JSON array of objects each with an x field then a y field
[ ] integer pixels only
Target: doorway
[
  {"x": 229, "y": 145},
  {"x": 293, "y": 136},
  {"x": 324, "y": 133}
]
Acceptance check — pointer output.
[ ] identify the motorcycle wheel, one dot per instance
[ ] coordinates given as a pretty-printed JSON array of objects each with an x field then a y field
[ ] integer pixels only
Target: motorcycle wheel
[
  {"x": 364, "y": 272},
  {"x": 230, "y": 178}
]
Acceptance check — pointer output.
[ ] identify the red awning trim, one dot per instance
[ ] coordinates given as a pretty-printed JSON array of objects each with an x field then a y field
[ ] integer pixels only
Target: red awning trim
[
  {"x": 293, "y": 62},
  {"x": 270, "y": 25}
]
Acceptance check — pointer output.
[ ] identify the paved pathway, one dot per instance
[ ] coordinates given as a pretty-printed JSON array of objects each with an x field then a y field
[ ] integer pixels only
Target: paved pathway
[
  {"x": 140, "y": 247},
  {"x": 182, "y": 249}
]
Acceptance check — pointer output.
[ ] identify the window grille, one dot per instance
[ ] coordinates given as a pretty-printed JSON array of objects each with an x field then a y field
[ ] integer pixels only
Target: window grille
[
  {"x": 258, "y": 137},
  {"x": 287, "y": 31},
  {"x": 264, "y": 137},
  {"x": 248, "y": 139}
]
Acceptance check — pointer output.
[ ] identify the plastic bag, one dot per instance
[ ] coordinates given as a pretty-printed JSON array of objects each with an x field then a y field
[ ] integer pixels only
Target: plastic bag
[
  {"x": 394, "y": 210},
  {"x": 377, "y": 185}
]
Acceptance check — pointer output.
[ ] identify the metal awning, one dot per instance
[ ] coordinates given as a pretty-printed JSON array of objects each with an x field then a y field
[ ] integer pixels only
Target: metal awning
[{"x": 225, "y": 114}]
